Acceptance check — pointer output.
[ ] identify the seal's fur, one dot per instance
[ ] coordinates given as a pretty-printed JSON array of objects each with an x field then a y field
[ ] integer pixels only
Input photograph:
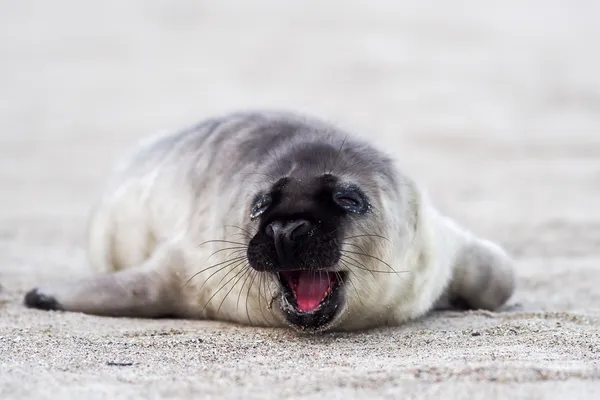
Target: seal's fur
[{"x": 174, "y": 234}]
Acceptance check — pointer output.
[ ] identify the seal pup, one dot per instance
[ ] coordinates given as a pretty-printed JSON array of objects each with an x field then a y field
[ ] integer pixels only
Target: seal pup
[{"x": 275, "y": 219}]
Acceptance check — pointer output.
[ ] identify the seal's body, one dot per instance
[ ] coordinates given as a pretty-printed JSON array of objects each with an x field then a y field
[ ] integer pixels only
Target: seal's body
[{"x": 275, "y": 219}]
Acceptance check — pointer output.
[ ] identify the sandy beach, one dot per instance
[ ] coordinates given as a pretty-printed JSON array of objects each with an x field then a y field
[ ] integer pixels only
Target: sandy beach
[{"x": 493, "y": 107}]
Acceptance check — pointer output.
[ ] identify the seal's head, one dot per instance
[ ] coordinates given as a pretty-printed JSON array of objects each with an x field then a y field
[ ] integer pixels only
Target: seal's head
[{"x": 328, "y": 228}]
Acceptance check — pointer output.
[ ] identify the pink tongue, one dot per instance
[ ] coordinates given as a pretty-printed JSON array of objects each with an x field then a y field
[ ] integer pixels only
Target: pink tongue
[{"x": 311, "y": 289}]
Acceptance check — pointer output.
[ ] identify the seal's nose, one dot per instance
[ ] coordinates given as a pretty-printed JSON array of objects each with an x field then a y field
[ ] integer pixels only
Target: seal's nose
[{"x": 285, "y": 234}]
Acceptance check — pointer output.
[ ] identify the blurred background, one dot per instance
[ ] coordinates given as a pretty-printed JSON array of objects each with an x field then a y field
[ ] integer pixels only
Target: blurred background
[{"x": 494, "y": 107}]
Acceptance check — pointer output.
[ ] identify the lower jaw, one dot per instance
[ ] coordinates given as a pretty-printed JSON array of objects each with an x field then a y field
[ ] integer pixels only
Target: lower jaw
[{"x": 316, "y": 321}]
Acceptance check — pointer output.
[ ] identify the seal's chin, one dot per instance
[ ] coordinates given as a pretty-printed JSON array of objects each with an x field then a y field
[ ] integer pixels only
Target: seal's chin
[{"x": 312, "y": 299}]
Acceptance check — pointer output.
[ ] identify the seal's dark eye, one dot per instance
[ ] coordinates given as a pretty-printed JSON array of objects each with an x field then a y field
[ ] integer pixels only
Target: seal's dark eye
[
  {"x": 350, "y": 200},
  {"x": 260, "y": 206}
]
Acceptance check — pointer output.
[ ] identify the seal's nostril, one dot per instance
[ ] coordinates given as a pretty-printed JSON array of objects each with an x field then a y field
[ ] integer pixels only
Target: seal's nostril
[
  {"x": 299, "y": 229},
  {"x": 289, "y": 231},
  {"x": 274, "y": 229},
  {"x": 269, "y": 231}
]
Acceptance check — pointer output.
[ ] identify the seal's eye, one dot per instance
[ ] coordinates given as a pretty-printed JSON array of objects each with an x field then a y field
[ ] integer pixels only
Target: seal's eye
[
  {"x": 260, "y": 206},
  {"x": 351, "y": 200}
]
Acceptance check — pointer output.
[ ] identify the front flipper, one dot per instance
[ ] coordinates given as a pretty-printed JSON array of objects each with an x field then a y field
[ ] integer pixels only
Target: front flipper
[{"x": 149, "y": 290}]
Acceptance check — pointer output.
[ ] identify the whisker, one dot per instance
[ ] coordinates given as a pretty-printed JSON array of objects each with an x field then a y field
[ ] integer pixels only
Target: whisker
[
  {"x": 368, "y": 235},
  {"x": 214, "y": 266},
  {"x": 268, "y": 297},
  {"x": 276, "y": 157},
  {"x": 233, "y": 263},
  {"x": 243, "y": 272},
  {"x": 356, "y": 264},
  {"x": 242, "y": 235},
  {"x": 332, "y": 232},
  {"x": 246, "y": 235},
  {"x": 241, "y": 229},
  {"x": 337, "y": 156},
  {"x": 233, "y": 268},
  {"x": 237, "y": 249},
  {"x": 355, "y": 290},
  {"x": 237, "y": 306},
  {"x": 353, "y": 245},
  {"x": 222, "y": 241},
  {"x": 363, "y": 267},
  {"x": 260, "y": 287},
  {"x": 370, "y": 256},
  {"x": 357, "y": 163},
  {"x": 225, "y": 284},
  {"x": 272, "y": 296},
  {"x": 248, "y": 296}
]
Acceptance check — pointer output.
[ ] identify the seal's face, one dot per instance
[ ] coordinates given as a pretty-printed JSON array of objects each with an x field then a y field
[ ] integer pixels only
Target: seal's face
[{"x": 300, "y": 235}]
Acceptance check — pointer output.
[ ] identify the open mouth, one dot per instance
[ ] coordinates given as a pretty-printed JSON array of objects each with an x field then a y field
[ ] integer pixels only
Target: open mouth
[{"x": 313, "y": 297}]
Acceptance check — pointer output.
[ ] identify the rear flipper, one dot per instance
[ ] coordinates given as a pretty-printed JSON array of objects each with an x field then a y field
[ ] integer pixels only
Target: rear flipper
[
  {"x": 149, "y": 290},
  {"x": 483, "y": 277}
]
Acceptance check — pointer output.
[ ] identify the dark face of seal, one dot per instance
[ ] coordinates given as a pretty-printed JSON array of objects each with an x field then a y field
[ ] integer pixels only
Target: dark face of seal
[{"x": 301, "y": 226}]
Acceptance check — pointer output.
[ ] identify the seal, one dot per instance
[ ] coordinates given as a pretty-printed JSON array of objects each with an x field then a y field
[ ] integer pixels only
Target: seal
[{"x": 275, "y": 219}]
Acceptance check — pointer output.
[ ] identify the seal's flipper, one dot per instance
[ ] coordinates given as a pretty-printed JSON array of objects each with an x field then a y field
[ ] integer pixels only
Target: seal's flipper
[
  {"x": 483, "y": 277},
  {"x": 142, "y": 291}
]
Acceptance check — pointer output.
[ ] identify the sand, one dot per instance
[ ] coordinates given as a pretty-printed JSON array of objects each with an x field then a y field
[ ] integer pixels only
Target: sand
[{"x": 495, "y": 108}]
